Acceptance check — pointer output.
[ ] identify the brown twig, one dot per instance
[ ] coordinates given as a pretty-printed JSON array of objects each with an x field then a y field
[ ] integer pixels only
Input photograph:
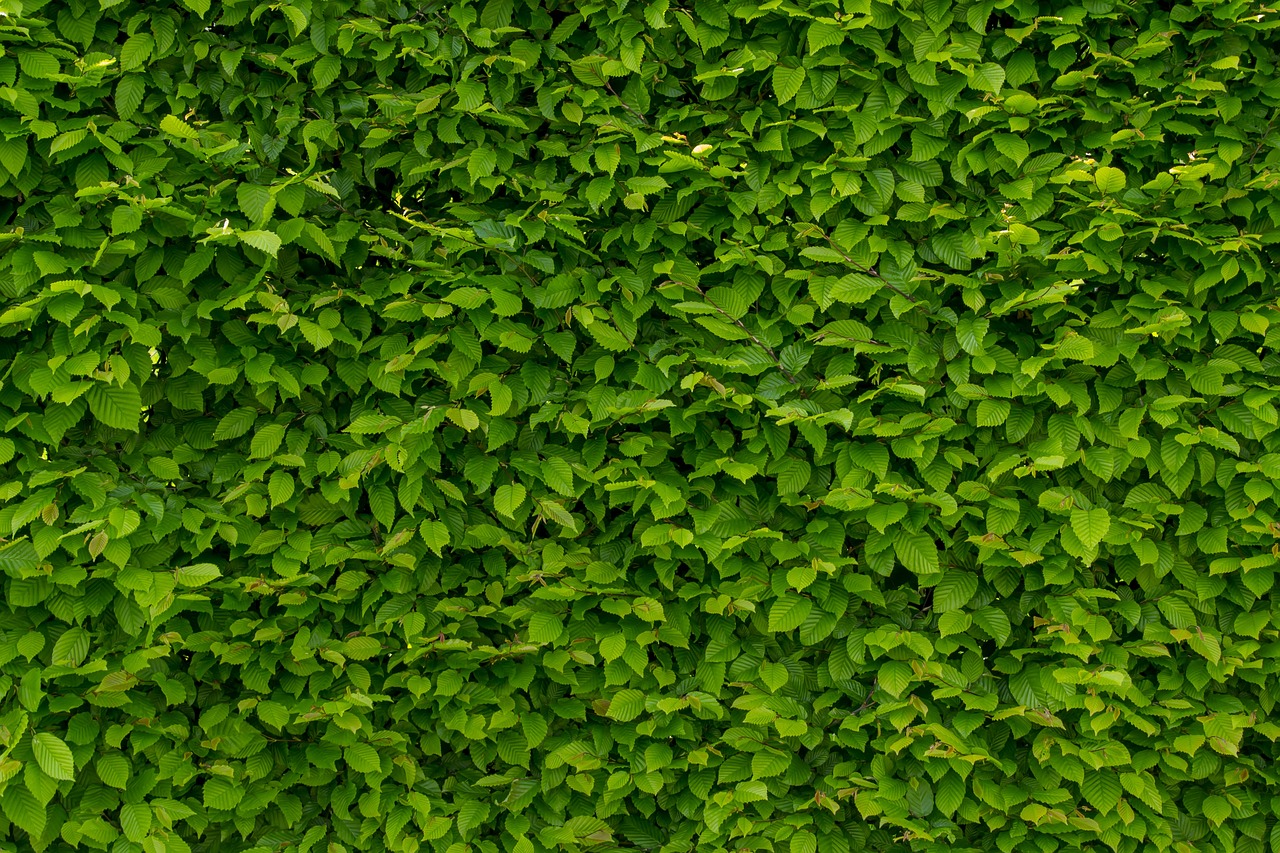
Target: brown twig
[
  {"x": 787, "y": 373},
  {"x": 868, "y": 270},
  {"x": 626, "y": 106}
]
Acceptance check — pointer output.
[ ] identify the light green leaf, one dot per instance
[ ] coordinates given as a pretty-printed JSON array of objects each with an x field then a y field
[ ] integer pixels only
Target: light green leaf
[
  {"x": 23, "y": 809},
  {"x": 508, "y": 498},
  {"x": 545, "y": 627},
  {"x": 1216, "y": 809},
  {"x": 1109, "y": 179},
  {"x": 135, "y": 820},
  {"x": 481, "y": 163},
  {"x": 54, "y": 756},
  {"x": 787, "y": 82},
  {"x": 267, "y": 440},
  {"x": 988, "y": 77},
  {"x": 436, "y": 535},
  {"x": 626, "y": 705},
  {"x": 769, "y": 763},
  {"x": 263, "y": 241},
  {"x": 1090, "y": 525},
  {"x": 177, "y": 127},
  {"x": 280, "y": 488},
  {"x": 789, "y": 612},
  {"x": 823, "y": 34},
  {"x": 114, "y": 770},
  {"x": 118, "y": 406},
  {"x": 917, "y": 551},
  {"x": 198, "y": 574},
  {"x": 362, "y": 757},
  {"x": 72, "y": 647}
]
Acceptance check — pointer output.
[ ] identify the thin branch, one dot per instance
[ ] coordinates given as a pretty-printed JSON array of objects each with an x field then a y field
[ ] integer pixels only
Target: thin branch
[
  {"x": 868, "y": 270},
  {"x": 787, "y": 373},
  {"x": 627, "y": 106},
  {"x": 427, "y": 226}
]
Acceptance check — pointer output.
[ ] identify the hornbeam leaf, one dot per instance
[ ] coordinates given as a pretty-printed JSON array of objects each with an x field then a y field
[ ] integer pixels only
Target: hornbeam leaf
[
  {"x": 787, "y": 82},
  {"x": 54, "y": 756},
  {"x": 1102, "y": 789},
  {"x": 917, "y": 551},
  {"x": 263, "y": 241},
  {"x": 789, "y": 612},
  {"x": 118, "y": 406},
  {"x": 1090, "y": 525}
]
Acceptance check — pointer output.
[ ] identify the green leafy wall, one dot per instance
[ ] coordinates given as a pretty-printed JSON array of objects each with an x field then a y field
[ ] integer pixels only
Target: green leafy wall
[{"x": 503, "y": 427}]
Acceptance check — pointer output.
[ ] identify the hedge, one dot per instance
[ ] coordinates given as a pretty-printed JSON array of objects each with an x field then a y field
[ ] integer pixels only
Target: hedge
[{"x": 774, "y": 425}]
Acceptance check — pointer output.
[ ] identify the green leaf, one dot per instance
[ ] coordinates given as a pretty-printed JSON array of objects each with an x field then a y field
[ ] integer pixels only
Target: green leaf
[
  {"x": 789, "y": 612},
  {"x": 768, "y": 763},
  {"x": 612, "y": 647},
  {"x": 13, "y": 155},
  {"x": 508, "y": 498},
  {"x": 23, "y": 810},
  {"x": 471, "y": 813},
  {"x": 954, "y": 590},
  {"x": 609, "y": 337},
  {"x": 1109, "y": 179},
  {"x": 436, "y": 535},
  {"x": 793, "y": 474},
  {"x": 676, "y": 426},
  {"x": 235, "y": 423},
  {"x": 787, "y": 82},
  {"x": 362, "y": 757},
  {"x": 970, "y": 332},
  {"x": 995, "y": 622},
  {"x": 1013, "y": 147},
  {"x": 895, "y": 676},
  {"x": 177, "y": 127},
  {"x": 993, "y": 412},
  {"x": 118, "y": 406},
  {"x": 221, "y": 793},
  {"x": 280, "y": 488},
  {"x": 256, "y": 203},
  {"x": 135, "y": 820},
  {"x": 854, "y": 288},
  {"x": 54, "y": 756},
  {"x": 987, "y": 77},
  {"x": 1090, "y": 525},
  {"x": 626, "y": 705},
  {"x": 917, "y": 551},
  {"x": 822, "y": 35},
  {"x": 197, "y": 575},
  {"x": 72, "y": 647},
  {"x": 774, "y": 676},
  {"x": 130, "y": 91},
  {"x": 263, "y": 241},
  {"x": 39, "y": 64},
  {"x": 1102, "y": 789},
  {"x": 136, "y": 51},
  {"x": 557, "y": 474},
  {"x": 30, "y": 644}
]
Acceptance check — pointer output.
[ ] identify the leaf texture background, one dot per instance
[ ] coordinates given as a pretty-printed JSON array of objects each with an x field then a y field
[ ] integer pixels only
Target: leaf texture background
[{"x": 512, "y": 427}]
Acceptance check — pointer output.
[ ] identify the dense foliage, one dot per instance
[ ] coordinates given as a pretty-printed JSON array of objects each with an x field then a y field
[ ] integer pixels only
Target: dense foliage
[{"x": 760, "y": 426}]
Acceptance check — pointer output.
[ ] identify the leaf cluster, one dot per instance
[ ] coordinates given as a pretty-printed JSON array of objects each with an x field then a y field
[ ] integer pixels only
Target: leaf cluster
[{"x": 726, "y": 426}]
